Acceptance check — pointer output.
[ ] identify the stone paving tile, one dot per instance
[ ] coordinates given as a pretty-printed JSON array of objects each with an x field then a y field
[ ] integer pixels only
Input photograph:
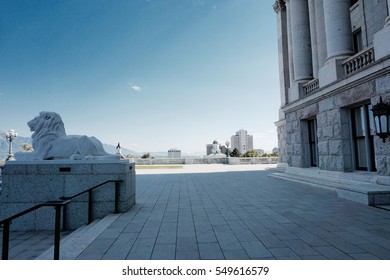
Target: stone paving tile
[
  {"x": 142, "y": 249},
  {"x": 206, "y": 236},
  {"x": 300, "y": 247},
  {"x": 333, "y": 253},
  {"x": 210, "y": 251},
  {"x": 235, "y": 254},
  {"x": 256, "y": 250},
  {"x": 364, "y": 256},
  {"x": 164, "y": 252},
  {"x": 284, "y": 254},
  {"x": 376, "y": 250},
  {"x": 121, "y": 246},
  {"x": 187, "y": 255}
]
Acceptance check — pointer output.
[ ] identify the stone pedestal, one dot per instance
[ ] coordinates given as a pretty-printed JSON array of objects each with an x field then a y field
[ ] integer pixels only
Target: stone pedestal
[{"x": 28, "y": 183}]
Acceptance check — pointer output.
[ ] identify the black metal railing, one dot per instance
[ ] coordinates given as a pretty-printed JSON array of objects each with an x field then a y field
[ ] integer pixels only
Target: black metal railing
[
  {"x": 58, "y": 205},
  {"x": 5, "y": 224},
  {"x": 90, "y": 200}
]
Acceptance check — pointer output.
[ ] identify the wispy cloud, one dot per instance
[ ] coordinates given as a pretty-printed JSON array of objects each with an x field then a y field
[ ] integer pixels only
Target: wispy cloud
[
  {"x": 136, "y": 88},
  {"x": 1, "y": 93}
]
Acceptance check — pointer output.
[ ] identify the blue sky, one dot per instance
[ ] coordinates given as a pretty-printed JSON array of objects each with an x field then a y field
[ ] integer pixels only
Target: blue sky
[{"x": 151, "y": 74}]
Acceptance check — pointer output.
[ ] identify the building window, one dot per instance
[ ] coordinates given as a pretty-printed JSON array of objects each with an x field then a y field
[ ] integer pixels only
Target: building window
[
  {"x": 357, "y": 41},
  {"x": 353, "y": 2},
  {"x": 363, "y": 138},
  {"x": 313, "y": 151}
]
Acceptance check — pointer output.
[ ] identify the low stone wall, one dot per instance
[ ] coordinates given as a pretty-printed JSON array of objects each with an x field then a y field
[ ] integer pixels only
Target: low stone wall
[
  {"x": 26, "y": 184},
  {"x": 206, "y": 160}
]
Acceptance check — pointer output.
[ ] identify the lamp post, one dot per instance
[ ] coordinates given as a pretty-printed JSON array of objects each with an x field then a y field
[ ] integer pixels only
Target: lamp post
[
  {"x": 227, "y": 143},
  {"x": 381, "y": 112},
  {"x": 11, "y": 135}
]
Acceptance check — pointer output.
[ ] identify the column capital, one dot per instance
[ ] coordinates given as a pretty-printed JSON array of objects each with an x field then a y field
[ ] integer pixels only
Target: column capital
[{"x": 279, "y": 6}]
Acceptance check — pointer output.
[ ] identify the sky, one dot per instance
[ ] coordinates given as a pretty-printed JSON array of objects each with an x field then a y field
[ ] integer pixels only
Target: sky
[{"x": 150, "y": 74}]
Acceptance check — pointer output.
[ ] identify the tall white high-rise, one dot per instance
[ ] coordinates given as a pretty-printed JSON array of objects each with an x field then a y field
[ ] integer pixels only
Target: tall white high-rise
[{"x": 242, "y": 141}]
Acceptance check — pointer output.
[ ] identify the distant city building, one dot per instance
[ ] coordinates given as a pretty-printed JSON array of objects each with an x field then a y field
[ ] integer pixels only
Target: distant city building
[
  {"x": 214, "y": 148},
  {"x": 174, "y": 153},
  {"x": 242, "y": 141}
]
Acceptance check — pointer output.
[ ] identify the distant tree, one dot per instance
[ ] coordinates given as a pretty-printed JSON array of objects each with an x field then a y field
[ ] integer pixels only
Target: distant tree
[
  {"x": 26, "y": 147},
  {"x": 274, "y": 154},
  {"x": 265, "y": 155},
  {"x": 146, "y": 155},
  {"x": 251, "y": 153},
  {"x": 235, "y": 153}
]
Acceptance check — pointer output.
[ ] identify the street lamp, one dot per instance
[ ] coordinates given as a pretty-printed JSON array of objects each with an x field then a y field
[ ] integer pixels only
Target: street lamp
[
  {"x": 227, "y": 143},
  {"x": 11, "y": 135},
  {"x": 381, "y": 112}
]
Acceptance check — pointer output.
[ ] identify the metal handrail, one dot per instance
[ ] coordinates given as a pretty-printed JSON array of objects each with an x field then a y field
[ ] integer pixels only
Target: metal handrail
[
  {"x": 58, "y": 204},
  {"x": 90, "y": 200},
  {"x": 5, "y": 224}
]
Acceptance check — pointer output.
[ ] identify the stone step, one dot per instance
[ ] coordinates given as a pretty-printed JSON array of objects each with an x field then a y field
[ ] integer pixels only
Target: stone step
[
  {"x": 361, "y": 191},
  {"x": 76, "y": 242}
]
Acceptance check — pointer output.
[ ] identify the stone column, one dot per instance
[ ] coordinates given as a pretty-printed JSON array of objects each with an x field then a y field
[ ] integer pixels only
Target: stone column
[
  {"x": 289, "y": 42},
  {"x": 338, "y": 29},
  {"x": 301, "y": 43},
  {"x": 321, "y": 37},
  {"x": 313, "y": 36},
  {"x": 317, "y": 34},
  {"x": 387, "y": 23},
  {"x": 338, "y": 39},
  {"x": 284, "y": 77}
]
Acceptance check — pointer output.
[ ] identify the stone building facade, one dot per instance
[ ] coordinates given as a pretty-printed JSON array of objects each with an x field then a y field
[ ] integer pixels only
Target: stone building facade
[{"x": 334, "y": 62}]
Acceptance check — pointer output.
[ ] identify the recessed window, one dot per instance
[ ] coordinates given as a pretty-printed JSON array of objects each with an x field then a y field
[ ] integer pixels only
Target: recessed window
[
  {"x": 357, "y": 41},
  {"x": 353, "y": 2},
  {"x": 312, "y": 130},
  {"x": 363, "y": 139}
]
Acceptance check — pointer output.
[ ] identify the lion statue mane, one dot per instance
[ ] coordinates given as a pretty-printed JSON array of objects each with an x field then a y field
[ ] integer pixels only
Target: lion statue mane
[{"x": 50, "y": 142}]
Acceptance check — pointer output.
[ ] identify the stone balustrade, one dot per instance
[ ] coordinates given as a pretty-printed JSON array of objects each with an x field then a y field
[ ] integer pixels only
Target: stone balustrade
[
  {"x": 205, "y": 160},
  {"x": 311, "y": 86},
  {"x": 359, "y": 61}
]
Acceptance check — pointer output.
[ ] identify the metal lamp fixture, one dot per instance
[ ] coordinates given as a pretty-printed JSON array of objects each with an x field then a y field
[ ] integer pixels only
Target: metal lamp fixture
[
  {"x": 11, "y": 135},
  {"x": 381, "y": 112}
]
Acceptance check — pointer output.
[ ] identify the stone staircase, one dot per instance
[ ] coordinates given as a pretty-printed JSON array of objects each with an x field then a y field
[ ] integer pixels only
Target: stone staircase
[
  {"x": 360, "y": 187},
  {"x": 75, "y": 243}
]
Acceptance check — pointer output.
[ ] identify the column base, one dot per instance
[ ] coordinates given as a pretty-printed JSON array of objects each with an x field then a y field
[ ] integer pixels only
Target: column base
[
  {"x": 330, "y": 72},
  {"x": 382, "y": 41}
]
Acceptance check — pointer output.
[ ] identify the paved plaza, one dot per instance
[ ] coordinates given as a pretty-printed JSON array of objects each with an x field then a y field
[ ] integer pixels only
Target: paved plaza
[{"x": 227, "y": 212}]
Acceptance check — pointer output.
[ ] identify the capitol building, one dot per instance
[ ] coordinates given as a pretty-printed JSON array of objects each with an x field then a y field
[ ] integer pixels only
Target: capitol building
[{"x": 334, "y": 67}]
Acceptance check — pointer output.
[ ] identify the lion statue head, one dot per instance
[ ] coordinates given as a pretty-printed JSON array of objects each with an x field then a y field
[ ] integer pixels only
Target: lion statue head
[
  {"x": 50, "y": 141},
  {"x": 46, "y": 123}
]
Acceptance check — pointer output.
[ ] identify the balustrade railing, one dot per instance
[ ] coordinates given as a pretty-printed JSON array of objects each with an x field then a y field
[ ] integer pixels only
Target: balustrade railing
[
  {"x": 311, "y": 86},
  {"x": 359, "y": 61}
]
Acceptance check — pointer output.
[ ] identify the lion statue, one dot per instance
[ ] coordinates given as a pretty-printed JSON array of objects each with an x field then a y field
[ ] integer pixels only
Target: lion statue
[{"x": 50, "y": 142}]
